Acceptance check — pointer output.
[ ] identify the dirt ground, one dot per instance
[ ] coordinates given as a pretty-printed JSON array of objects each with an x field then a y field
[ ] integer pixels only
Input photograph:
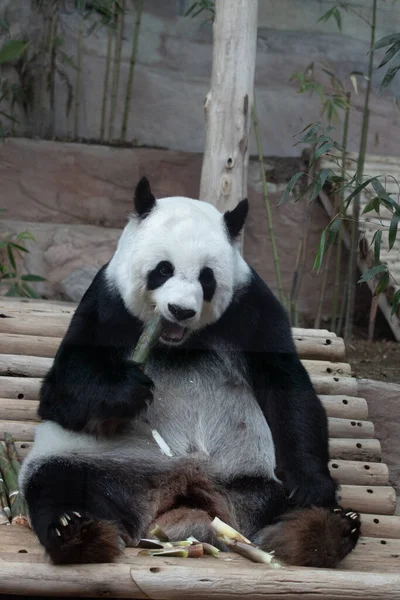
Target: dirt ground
[{"x": 379, "y": 360}]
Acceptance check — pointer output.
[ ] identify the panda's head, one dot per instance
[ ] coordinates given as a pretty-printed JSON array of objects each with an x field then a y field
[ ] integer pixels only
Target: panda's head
[{"x": 180, "y": 257}]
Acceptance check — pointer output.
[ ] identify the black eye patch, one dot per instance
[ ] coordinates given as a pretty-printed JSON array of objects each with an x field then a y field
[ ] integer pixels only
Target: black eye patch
[
  {"x": 159, "y": 275},
  {"x": 208, "y": 283}
]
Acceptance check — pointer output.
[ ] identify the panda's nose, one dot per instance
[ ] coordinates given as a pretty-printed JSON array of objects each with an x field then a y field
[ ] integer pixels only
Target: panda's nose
[{"x": 181, "y": 314}]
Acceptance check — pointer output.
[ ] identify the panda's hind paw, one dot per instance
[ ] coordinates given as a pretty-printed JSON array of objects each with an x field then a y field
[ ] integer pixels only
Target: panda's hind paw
[{"x": 75, "y": 537}]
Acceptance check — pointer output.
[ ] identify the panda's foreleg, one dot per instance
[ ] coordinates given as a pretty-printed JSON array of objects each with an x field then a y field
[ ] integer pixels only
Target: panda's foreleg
[
  {"x": 312, "y": 537},
  {"x": 83, "y": 514}
]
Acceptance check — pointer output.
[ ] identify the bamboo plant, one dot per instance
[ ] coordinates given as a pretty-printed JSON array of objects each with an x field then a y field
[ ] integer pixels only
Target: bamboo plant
[{"x": 132, "y": 64}]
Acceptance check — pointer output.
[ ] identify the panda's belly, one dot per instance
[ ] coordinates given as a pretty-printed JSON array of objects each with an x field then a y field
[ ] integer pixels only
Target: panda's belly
[{"x": 212, "y": 410}]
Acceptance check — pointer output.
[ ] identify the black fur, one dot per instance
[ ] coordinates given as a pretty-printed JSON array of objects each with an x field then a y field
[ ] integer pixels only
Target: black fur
[
  {"x": 235, "y": 219},
  {"x": 159, "y": 275},
  {"x": 144, "y": 199},
  {"x": 208, "y": 283}
]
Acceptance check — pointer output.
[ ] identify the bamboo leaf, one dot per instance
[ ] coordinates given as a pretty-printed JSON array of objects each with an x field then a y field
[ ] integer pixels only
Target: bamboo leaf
[
  {"x": 387, "y": 80},
  {"x": 358, "y": 189},
  {"x": 377, "y": 240},
  {"x": 396, "y": 301},
  {"x": 325, "y": 147},
  {"x": 11, "y": 257},
  {"x": 26, "y": 235},
  {"x": 393, "y": 230},
  {"x": 290, "y": 187},
  {"x": 328, "y": 236},
  {"x": 386, "y": 41},
  {"x": 3, "y": 25},
  {"x": 13, "y": 292},
  {"x": 382, "y": 193},
  {"x": 30, "y": 292},
  {"x": 319, "y": 183},
  {"x": 390, "y": 53},
  {"x": 32, "y": 278},
  {"x": 18, "y": 247},
  {"x": 12, "y": 50},
  {"x": 372, "y": 205},
  {"x": 371, "y": 273},
  {"x": 382, "y": 285}
]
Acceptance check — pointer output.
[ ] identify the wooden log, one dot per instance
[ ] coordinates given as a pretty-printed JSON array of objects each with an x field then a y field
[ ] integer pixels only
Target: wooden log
[
  {"x": 52, "y": 325},
  {"x": 368, "y": 499},
  {"x": 311, "y": 349},
  {"x": 37, "y": 366},
  {"x": 336, "y": 385},
  {"x": 24, "y": 366},
  {"x": 200, "y": 579},
  {"x": 353, "y": 472},
  {"x": 20, "y": 387},
  {"x": 320, "y": 348},
  {"x": 350, "y": 428},
  {"x": 20, "y": 430},
  {"x": 325, "y": 367},
  {"x": 358, "y": 449},
  {"x": 25, "y": 305},
  {"x": 18, "y": 410},
  {"x": 374, "y": 555},
  {"x": 380, "y": 526},
  {"x": 345, "y": 407}
]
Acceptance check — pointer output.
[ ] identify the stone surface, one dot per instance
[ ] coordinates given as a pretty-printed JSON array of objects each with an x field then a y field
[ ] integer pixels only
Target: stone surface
[
  {"x": 174, "y": 66},
  {"x": 384, "y": 411},
  {"x": 76, "y": 188}
]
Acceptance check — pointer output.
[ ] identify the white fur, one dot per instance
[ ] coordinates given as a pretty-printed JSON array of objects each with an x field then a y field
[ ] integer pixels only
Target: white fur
[{"x": 190, "y": 234}]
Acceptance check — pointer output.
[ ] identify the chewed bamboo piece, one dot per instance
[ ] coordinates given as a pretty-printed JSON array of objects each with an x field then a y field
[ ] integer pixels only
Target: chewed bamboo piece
[
  {"x": 241, "y": 545},
  {"x": 4, "y": 504},
  {"x": 10, "y": 468},
  {"x": 149, "y": 337}
]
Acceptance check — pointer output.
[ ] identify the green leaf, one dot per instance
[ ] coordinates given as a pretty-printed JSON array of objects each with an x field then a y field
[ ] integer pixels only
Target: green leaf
[
  {"x": 319, "y": 184},
  {"x": 393, "y": 230},
  {"x": 290, "y": 187},
  {"x": 323, "y": 149},
  {"x": 388, "y": 40},
  {"x": 372, "y": 205},
  {"x": 26, "y": 235},
  {"x": 328, "y": 236},
  {"x": 382, "y": 285},
  {"x": 377, "y": 240},
  {"x": 3, "y": 24},
  {"x": 371, "y": 273},
  {"x": 390, "y": 75},
  {"x": 8, "y": 276},
  {"x": 384, "y": 197},
  {"x": 31, "y": 293},
  {"x": 11, "y": 257},
  {"x": 332, "y": 12},
  {"x": 13, "y": 291},
  {"x": 393, "y": 50},
  {"x": 12, "y": 50},
  {"x": 18, "y": 247},
  {"x": 396, "y": 301},
  {"x": 358, "y": 189},
  {"x": 32, "y": 278}
]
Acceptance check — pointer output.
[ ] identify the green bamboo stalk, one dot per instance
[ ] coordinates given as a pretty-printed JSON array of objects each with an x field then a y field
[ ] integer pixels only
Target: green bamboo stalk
[
  {"x": 318, "y": 316},
  {"x": 131, "y": 70},
  {"x": 4, "y": 504},
  {"x": 107, "y": 76},
  {"x": 341, "y": 208},
  {"x": 116, "y": 71},
  {"x": 275, "y": 253},
  {"x": 52, "y": 68},
  {"x": 348, "y": 330},
  {"x": 149, "y": 337},
  {"x": 10, "y": 476},
  {"x": 78, "y": 81}
]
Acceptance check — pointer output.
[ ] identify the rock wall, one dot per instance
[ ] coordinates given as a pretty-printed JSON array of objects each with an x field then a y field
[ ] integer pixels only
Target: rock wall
[
  {"x": 174, "y": 66},
  {"x": 75, "y": 199}
]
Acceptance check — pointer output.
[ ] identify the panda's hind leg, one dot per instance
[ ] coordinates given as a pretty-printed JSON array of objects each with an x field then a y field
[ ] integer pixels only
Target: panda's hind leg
[
  {"x": 312, "y": 537},
  {"x": 82, "y": 514}
]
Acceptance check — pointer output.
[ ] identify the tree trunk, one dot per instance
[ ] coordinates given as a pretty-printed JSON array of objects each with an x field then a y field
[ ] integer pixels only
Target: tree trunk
[{"x": 229, "y": 104}]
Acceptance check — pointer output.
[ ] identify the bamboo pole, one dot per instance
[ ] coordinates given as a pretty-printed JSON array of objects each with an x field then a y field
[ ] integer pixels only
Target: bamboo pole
[
  {"x": 348, "y": 331},
  {"x": 229, "y": 104},
  {"x": 132, "y": 64},
  {"x": 116, "y": 70},
  {"x": 107, "y": 74},
  {"x": 357, "y": 449},
  {"x": 275, "y": 253}
]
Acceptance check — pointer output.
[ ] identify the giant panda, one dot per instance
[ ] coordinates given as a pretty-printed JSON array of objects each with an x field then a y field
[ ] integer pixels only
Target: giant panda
[{"x": 224, "y": 421}]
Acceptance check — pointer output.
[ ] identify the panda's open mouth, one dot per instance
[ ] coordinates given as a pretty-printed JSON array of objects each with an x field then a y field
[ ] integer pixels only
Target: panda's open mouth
[{"x": 172, "y": 333}]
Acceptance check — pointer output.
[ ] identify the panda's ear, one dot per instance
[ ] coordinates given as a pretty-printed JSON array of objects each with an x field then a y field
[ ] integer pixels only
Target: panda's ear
[
  {"x": 144, "y": 200},
  {"x": 235, "y": 219}
]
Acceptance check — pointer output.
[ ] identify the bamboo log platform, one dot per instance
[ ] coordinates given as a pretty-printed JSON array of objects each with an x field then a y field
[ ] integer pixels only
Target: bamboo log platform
[{"x": 30, "y": 332}]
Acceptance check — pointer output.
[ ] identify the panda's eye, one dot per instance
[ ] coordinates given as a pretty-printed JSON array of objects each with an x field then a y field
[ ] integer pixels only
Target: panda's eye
[
  {"x": 159, "y": 275},
  {"x": 165, "y": 268},
  {"x": 208, "y": 283}
]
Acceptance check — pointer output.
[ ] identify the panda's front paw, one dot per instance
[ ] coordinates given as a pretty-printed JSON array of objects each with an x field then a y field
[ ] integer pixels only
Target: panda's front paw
[
  {"x": 132, "y": 395},
  {"x": 310, "y": 489}
]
